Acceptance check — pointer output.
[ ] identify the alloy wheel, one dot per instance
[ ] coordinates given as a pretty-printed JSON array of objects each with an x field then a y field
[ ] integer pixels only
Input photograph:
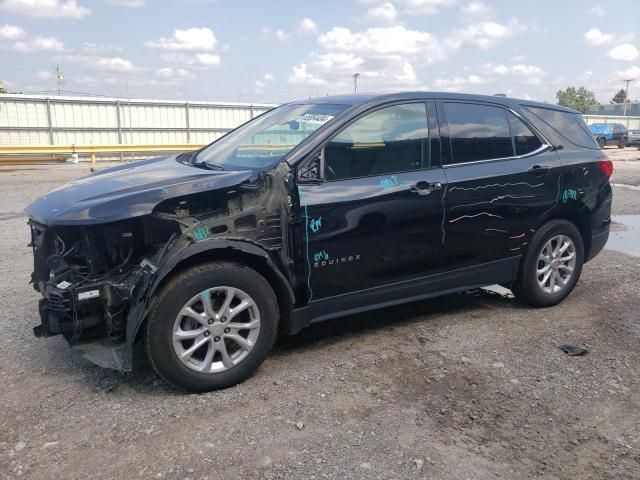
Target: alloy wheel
[
  {"x": 556, "y": 264},
  {"x": 216, "y": 329}
]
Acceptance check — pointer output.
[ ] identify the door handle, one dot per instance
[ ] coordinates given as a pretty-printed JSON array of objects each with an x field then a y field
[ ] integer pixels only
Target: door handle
[
  {"x": 425, "y": 188},
  {"x": 539, "y": 170}
]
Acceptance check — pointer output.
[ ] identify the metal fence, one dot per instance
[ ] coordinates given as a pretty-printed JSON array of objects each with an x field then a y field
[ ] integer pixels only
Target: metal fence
[
  {"x": 632, "y": 123},
  {"x": 43, "y": 120}
]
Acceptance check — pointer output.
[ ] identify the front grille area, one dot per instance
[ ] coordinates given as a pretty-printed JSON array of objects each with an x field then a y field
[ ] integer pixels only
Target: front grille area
[{"x": 58, "y": 302}]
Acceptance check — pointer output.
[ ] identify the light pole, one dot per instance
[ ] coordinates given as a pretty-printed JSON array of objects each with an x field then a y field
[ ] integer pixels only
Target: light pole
[
  {"x": 626, "y": 96},
  {"x": 355, "y": 82}
]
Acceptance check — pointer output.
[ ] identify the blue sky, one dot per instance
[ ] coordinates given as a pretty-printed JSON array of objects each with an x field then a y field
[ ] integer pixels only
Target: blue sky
[{"x": 273, "y": 51}]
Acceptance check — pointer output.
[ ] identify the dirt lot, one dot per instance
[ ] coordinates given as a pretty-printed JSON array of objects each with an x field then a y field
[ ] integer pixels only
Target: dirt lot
[{"x": 463, "y": 387}]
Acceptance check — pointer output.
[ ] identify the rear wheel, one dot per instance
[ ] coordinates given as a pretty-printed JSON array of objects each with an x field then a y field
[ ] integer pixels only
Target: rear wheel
[
  {"x": 552, "y": 265},
  {"x": 212, "y": 326},
  {"x": 601, "y": 142},
  {"x": 622, "y": 143}
]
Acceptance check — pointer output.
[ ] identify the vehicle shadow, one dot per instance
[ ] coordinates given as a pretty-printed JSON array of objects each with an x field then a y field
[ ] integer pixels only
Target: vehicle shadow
[
  {"x": 144, "y": 381},
  {"x": 431, "y": 310}
]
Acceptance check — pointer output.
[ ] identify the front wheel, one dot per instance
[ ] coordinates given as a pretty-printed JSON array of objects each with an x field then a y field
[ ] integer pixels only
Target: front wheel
[
  {"x": 602, "y": 142},
  {"x": 552, "y": 265},
  {"x": 622, "y": 143},
  {"x": 212, "y": 326}
]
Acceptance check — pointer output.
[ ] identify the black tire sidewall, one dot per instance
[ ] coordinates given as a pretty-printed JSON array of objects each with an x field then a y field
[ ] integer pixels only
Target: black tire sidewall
[
  {"x": 177, "y": 293},
  {"x": 528, "y": 287}
]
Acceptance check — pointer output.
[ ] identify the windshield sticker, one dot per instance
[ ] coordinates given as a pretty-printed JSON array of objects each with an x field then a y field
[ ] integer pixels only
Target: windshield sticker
[{"x": 316, "y": 118}]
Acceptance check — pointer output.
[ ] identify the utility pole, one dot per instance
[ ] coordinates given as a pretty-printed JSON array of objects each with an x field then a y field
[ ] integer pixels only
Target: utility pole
[
  {"x": 59, "y": 79},
  {"x": 626, "y": 96},
  {"x": 355, "y": 82}
]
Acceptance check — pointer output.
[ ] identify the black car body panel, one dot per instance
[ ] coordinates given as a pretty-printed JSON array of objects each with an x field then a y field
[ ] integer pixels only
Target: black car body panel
[
  {"x": 127, "y": 191},
  {"x": 330, "y": 243}
]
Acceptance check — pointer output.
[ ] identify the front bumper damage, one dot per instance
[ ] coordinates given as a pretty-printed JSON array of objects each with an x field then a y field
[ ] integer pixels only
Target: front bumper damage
[{"x": 92, "y": 314}]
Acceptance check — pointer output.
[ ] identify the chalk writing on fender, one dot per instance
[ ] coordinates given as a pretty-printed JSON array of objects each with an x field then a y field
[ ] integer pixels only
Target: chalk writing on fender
[
  {"x": 323, "y": 259},
  {"x": 201, "y": 233},
  {"x": 390, "y": 182},
  {"x": 315, "y": 224},
  {"x": 569, "y": 194}
]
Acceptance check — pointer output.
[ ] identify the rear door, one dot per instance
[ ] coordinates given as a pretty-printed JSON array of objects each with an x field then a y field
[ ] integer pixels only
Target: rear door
[
  {"x": 375, "y": 219},
  {"x": 501, "y": 179}
]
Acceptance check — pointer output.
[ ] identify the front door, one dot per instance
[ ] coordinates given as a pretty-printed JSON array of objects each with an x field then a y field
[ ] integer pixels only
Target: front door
[{"x": 376, "y": 219}]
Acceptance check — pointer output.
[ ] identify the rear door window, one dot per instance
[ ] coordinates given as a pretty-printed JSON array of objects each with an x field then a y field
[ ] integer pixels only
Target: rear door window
[
  {"x": 524, "y": 139},
  {"x": 570, "y": 125},
  {"x": 477, "y": 132}
]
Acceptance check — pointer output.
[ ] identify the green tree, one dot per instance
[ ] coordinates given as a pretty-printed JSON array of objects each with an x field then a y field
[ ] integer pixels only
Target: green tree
[
  {"x": 578, "y": 98},
  {"x": 620, "y": 97}
]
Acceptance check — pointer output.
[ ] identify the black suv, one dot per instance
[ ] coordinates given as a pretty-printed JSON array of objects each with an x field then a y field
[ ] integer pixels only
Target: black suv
[{"x": 315, "y": 210}]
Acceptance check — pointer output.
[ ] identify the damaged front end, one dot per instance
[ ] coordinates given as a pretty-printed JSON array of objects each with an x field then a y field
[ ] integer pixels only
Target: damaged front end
[
  {"x": 98, "y": 262},
  {"x": 92, "y": 277}
]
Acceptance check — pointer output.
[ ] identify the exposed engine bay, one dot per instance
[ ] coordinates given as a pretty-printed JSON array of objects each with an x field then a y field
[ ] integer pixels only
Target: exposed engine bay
[{"x": 97, "y": 279}]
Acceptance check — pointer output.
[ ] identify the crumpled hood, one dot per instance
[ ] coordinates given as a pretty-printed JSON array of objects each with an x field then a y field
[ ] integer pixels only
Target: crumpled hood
[{"x": 127, "y": 191}]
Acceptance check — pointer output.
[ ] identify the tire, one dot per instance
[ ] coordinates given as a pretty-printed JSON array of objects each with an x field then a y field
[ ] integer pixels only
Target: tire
[
  {"x": 527, "y": 287},
  {"x": 167, "y": 327},
  {"x": 622, "y": 143},
  {"x": 602, "y": 142}
]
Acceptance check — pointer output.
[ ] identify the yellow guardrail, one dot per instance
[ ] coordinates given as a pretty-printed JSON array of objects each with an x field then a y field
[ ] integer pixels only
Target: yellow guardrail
[
  {"x": 27, "y": 154},
  {"x": 37, "y": 153}
]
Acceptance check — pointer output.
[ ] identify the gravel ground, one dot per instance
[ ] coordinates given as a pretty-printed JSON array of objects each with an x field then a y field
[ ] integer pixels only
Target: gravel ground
[{"x": 463, "y": 387}]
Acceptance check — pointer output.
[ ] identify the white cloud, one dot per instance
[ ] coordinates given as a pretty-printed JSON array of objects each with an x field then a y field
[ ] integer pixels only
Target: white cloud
[
  {"x": 43, "y": 75},
  {"x": 263, "y": 82},
  {"x": 300, "y": 76},
  {"x": 198, "y": 60},
  {"x": 307, "y": 25},
  {"x": 12, "y": 32},
  {"x": 127, "y": 3},
  {"x": 631, "y": 72},
  {"x": 458, "y": 83},
  {"x": 95, "y": 62},
  {"x": 596, "y": 37},
  {"x": 95, "y": 49},
  {"x": 476, "y": 8},
  {"x": 626, "y": 52},
  {"x": 173, "y": 73},
  {"x": 45, "y": 8},
  {"x": 189, "y": 40},
  {"x": 279, "y": 34},
  {"x": 383, "y": 13},
  {"x": 39, "y": 44},
  {"x": 483, "y": 34},
  {"x": 526, "y": 70},
  {"x": 380, "y": 41},
  {"x": 596, "y": 11},
  {"x": 424, "y": 7},
  {"x": 208, "y": 59}
]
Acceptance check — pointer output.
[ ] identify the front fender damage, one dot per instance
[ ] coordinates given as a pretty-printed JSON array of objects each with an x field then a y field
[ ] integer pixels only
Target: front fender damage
[{"x": 98, "y": 282}]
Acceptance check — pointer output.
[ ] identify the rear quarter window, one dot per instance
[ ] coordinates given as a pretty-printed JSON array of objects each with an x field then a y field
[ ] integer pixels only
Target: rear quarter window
[{"x": 569, "y": 125}]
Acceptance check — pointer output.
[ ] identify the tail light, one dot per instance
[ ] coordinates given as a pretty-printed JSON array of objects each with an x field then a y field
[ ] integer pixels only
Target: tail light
[{"x": 606, "y": 166}]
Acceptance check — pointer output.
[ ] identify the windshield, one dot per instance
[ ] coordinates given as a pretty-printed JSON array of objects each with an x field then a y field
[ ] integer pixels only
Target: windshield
[{"x": 263, "y": 141}]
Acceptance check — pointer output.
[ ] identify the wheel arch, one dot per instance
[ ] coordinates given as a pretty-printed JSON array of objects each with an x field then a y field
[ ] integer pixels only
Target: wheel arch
[
  {"x": 579, "y": 219},
  {"x": 238, "y": 251}
]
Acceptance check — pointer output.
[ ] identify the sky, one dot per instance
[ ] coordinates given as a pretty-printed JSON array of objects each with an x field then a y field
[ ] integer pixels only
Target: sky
[{"x": 279, "y": 50}]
